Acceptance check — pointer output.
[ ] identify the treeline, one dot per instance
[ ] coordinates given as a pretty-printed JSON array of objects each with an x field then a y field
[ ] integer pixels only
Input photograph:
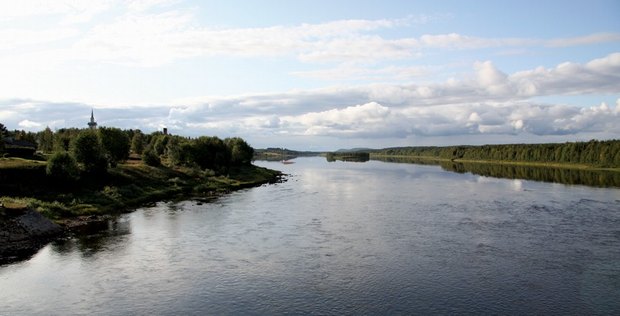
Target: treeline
[
  {"x": 73, "y": 152},
  {"x": 604, "y": 154}
]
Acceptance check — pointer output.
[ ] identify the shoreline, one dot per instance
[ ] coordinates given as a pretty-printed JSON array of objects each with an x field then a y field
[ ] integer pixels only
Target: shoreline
[
  {"x": 498, "y": 162},
  {"x": 30, "y": 221}
]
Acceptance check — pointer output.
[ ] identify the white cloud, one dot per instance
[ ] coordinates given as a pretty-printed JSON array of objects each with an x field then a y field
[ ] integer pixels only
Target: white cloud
[
  {"x": 14, "y": 38},
  {"x": 138, "y": 36},
  {"x": 585, "y": 40},
  {"x": 70, "y": 11},
  {"x": 27, "y": 124},
  {"x": 353, "y": 72},
  {"x": 487, "y": 103}
]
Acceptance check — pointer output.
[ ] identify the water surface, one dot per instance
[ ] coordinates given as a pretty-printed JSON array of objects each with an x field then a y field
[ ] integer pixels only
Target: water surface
[{"x": 342, "y": 238}]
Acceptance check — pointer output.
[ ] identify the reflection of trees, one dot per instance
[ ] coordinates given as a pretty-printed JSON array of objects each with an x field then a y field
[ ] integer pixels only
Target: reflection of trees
[
  {"x": 596, "y": 178},
  {"x": 351, "y": 157},
  {"x": 558, "y": 175},
  {"x": 94, "y": 237}
]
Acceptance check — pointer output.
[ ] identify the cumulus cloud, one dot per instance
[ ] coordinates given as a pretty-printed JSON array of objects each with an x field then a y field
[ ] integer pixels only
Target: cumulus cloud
[
  {"x": 490, "y": 102},
  {"x": 27, "y": 124},
  {"x": 486, "y": 103}
]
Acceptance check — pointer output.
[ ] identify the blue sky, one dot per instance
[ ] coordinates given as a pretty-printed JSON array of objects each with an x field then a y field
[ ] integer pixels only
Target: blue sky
[{"x": 317, "y": 75}]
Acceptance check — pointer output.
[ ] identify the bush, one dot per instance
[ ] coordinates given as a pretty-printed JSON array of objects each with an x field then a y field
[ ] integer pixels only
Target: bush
[
  {"x": 63, "y": 167},
  {"x": 151, "y": 158}
]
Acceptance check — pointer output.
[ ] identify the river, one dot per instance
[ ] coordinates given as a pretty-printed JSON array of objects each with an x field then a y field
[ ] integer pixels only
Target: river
[{"x": 341, "y": 238}]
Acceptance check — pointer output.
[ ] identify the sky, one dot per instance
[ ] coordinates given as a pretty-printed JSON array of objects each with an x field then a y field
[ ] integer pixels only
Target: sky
[{"x": 317, "y": 75}]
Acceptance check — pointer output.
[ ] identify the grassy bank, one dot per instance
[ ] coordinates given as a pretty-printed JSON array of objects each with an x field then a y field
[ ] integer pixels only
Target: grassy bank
[{"x": 129, "y": 185}]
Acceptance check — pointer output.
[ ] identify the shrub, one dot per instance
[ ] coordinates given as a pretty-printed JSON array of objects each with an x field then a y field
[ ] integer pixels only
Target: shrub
[
  {"x": 63, "y": 167},
  {"x": 151, "y": 158}
]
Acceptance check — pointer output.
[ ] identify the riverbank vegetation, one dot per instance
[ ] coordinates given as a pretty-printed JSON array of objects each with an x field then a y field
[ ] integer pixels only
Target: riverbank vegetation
[
  {"x": 77, "y": 172},
  {"x": 592, "y": 154}
]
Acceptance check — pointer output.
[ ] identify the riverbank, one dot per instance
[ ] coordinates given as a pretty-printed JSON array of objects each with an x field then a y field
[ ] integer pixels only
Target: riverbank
[
  {"x": 71, "y": 206},
  {"x": 494, "y": 162},
  {"x": 23, "y": 231}
]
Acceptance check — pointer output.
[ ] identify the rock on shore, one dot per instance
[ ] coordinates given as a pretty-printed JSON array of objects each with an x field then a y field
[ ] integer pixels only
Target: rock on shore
[{"x": 23, "y": 232}]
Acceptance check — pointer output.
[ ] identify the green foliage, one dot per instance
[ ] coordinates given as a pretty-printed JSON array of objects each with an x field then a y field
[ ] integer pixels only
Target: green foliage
[
  {"x": 45, "y": 140},
  {"x": 88, "y": 151},
  {"x": 137, "y": 142},
  {"x": 178, "y": 151},
  {"x": 593, "y": 153},
  {"x": 159, "y": 142},
  {"x": 150, "y": 157},
  {"x": 209, "y": 153},
  {"x": 25, "y": 136},
  {"x": 115, "y": 144},
  {"x": 240, "y": 152},
  {"x": 62, "y": 167},
  {"x": 3, "y": 131},
  {"x": 63, "y": 138},
  {"x": 3, "y": 134}
]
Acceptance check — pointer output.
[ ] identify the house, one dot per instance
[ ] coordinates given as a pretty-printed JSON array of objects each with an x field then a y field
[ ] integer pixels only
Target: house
[{"x": 19, "y": 148}]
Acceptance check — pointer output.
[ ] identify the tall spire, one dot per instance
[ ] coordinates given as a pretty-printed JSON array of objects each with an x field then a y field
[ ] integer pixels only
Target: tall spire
[{"x": 92, "y": 124}]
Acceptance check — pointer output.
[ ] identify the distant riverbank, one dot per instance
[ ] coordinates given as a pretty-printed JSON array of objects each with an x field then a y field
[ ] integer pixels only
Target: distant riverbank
[{"x": 405, "y": 158}]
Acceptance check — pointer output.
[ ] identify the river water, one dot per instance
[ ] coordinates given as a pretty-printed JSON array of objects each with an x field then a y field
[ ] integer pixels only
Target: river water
[{"x": 342, "y": 238}]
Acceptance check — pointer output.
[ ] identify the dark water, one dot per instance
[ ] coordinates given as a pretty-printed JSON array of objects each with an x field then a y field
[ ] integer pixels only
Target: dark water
[{"x": 342, "y": 238}]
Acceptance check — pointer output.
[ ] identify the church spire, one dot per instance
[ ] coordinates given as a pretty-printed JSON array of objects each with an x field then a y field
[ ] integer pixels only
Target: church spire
[{"x": 92, "y": 124}]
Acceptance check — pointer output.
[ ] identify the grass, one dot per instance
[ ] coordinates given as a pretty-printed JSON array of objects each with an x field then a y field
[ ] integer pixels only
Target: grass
[
  {"x": 123, "y": 188},
  {"x": 21, "y": 163}
]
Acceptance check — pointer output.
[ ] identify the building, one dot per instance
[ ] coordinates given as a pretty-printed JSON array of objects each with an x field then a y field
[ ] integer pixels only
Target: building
[{"x": 92, "y": 124}]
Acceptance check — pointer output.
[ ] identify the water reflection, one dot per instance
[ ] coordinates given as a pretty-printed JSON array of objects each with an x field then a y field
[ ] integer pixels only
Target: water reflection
[
  {"x": 342, "y": 238},
  {"x": 348, "y": 157},
  {"x": 594, "y": 178}
]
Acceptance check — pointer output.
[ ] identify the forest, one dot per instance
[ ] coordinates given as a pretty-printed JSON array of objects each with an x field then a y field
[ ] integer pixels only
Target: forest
[
  {"x": 72, "y": 173},
  {"x": 72, "y": 151},
  {"x": 600, "y": 154}
]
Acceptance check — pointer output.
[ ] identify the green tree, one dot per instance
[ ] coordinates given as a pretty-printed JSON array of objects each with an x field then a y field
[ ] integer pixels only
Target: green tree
[
  {"x": 115, "y": 144},
  {"x": 3, "y": 131},
  {"x": 62, "y": 167},
  {"x": 178, "y": 151},
  {"x": 45, "y": 139},
  {"x": 209, "y": 153},
  {"x": 240, "y": 152},
  {"x": 150, "y": 157},
  {"x": 159, "y": 143},
  {"x": 63, "y": 138},
  {"x": 3, "y": 134},
  {"x": 137, "y": 142},
  {"x": 88, "y": 151}
]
